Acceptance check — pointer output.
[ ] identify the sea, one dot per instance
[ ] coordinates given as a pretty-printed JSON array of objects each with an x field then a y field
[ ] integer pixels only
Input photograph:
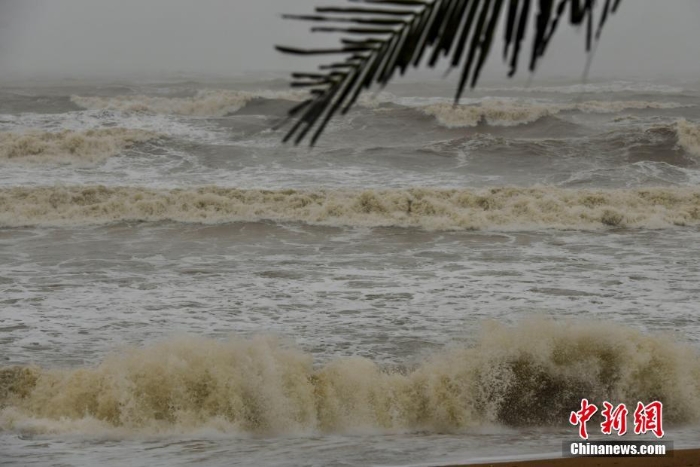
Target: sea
[{"x": 429, "y": 284}]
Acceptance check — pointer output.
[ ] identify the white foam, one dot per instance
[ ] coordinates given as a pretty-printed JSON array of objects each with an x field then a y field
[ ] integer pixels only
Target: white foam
[
  {"x": 689, "y": 136},
  {"x": 427, "y": 208},
  {"x": 68, "y": 147},
  {"x": 532, "y": 374}
]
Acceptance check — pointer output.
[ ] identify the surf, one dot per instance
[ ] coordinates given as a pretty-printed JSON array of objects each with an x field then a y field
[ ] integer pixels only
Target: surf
[
  {"x": 531, "y": 374},
  {"x": 504, "y": 209}
]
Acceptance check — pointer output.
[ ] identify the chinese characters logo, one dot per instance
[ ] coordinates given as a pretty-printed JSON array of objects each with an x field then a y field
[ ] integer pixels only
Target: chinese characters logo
[{"x": 647, "y": 418}]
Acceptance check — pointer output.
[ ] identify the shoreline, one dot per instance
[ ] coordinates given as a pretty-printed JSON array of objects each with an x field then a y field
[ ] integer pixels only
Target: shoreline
[{"x": 676, "y": 458}]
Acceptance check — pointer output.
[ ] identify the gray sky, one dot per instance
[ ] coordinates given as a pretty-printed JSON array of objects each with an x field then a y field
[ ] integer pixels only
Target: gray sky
[{"x": 646, "y": 39}]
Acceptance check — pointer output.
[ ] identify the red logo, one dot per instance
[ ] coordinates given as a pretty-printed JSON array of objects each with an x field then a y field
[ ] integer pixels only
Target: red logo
[
  {"x": 614, "y": 419},
  {"x": 647, "y": 418},
  {"x": 582, "y": 416}
]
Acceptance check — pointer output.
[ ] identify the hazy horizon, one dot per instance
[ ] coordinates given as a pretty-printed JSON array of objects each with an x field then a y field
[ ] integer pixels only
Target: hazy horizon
[{"x": 86, "y": 39}]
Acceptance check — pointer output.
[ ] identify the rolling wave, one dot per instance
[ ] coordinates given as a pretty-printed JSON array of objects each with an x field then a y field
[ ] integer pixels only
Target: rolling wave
[
  {"x": 505, "y": 209},
  {"x": 689, "y": 136},
  {"x": 510, "y": 113},
  {"x": 68, "y": 146},
  {"x": 533, "y": 374},
  {"x": 497, "y": 112},
  {"x": 597, "y": 88},
  {"x": 206, "y": 103}
]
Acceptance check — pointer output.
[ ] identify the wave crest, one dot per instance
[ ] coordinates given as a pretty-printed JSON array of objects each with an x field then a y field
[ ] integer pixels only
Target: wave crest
[
  {"x": 496, "y": 113},
  {"x": 511, "y": 113},
  {"x": 432, "y": 209},
  {"x": 69, "y": 147},
  {"x": 597, "y": 88},
  {"x": 532, "y": 374},
  {"x": 205, "y": 103},
  {"x": 499, "y": 112},
  {"x": 689, "y": 136}
]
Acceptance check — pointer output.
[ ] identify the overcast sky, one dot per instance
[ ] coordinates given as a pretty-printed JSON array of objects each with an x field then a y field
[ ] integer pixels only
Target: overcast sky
[{"x": 646, "y": 39}]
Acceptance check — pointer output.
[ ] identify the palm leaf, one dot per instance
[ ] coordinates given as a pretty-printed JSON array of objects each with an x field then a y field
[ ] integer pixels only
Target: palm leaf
[{"x": 383, "y": 37}]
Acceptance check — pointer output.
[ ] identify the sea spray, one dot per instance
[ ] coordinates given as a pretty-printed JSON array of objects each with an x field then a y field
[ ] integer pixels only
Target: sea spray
[
  {"x": 689, "y": 136},
  {"x": 532, "y": 374}
]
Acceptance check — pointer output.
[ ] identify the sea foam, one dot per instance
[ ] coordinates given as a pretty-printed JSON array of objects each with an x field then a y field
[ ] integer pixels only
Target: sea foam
[
  {"x": 689, "y": 136},
  {"x": 506, "y": 209},
  {"x": 532, "y": 374},
  {"x": 68, "y": 146}
]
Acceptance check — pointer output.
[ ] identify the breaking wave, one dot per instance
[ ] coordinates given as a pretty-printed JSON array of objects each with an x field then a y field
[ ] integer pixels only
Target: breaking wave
[
  {"x": 510, "y": 113},
  {"x": 69, "y": 147},
  {"x": 689, "y": 136},
  {"x": 533, "y": 374},
  {"x": 206, "y": 103},
  {"x": 597, "y": 88},
  {"x": 501, "y": 112},
  {"x": 431, "y": 209}
]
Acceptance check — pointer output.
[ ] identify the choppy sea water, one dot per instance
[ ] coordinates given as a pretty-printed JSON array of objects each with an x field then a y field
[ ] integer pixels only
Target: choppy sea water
[{"x": 430, "y": 284}]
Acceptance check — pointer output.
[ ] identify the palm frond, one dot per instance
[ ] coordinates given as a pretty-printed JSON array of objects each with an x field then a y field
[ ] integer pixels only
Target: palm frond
[{"x": 383, "y": 37}]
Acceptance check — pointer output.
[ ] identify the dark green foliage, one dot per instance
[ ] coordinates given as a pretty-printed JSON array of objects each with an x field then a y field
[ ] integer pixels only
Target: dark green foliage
[{"x": 382, "y": 37}]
